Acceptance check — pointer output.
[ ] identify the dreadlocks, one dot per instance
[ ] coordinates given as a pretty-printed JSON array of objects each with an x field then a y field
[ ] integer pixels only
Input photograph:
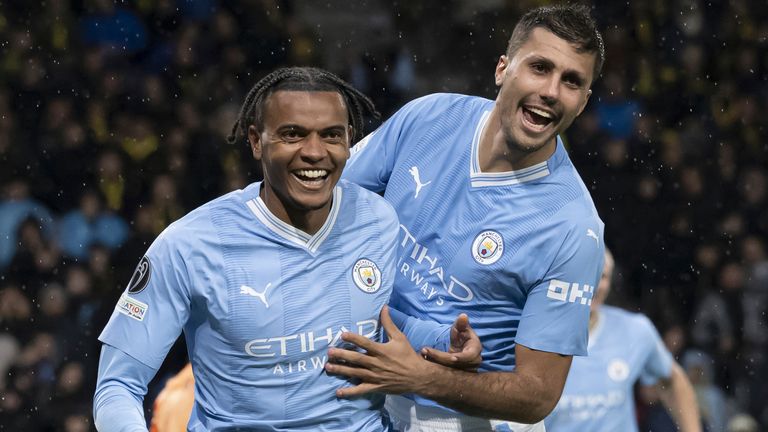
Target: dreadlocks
[{"x": 300, "y": 79}]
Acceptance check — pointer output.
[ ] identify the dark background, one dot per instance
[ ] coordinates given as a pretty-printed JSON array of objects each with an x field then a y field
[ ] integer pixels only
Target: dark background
[{"x": 112, "y": 124}]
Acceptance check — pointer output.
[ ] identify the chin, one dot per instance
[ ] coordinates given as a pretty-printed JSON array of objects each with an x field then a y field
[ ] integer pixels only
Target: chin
[{"x": 527, "y": 146}]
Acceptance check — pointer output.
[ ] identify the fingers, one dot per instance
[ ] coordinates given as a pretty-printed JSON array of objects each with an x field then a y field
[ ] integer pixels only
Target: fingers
[
  {"x": 468, "y": 359},
  {"x": 389, "y": 326},
  {"x": 346, "y": 356},
  {"x": 439, "y": 357},
  {"x": 349, "y": 371},
  {"x": 359, "y": 341},
  {"x": 462, "y": 323},
  {"x": 358, "y": 390}
]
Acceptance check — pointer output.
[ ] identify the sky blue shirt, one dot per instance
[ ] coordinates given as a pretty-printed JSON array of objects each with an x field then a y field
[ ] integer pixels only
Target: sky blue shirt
[
  {"x": 520, "y": 252},
  {"x": 259, "y": 303},
  {"x": 598, "y": 394}
]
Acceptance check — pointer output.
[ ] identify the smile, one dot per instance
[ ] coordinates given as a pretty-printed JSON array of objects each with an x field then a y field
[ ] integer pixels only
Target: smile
[
  {"x": 537, "y": 118},
  {"x": 311, "y": 177}
]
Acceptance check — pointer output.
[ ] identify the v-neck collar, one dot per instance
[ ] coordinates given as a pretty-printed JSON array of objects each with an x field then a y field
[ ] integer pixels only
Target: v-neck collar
[
  {"x": 309, "y": 242},
  {"x": 507, "y": 178}
]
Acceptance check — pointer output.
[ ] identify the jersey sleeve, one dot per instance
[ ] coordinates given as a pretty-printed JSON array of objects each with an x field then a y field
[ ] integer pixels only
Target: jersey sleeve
[
  {"x": 422, "y": 333},
  {"x": 120, "y": 388},
  {"x": 150, "y": 314},
  {"x": 373, "y": 157},
  {"x": 555, "y": 317},
  {"x": 658, "y": 364}
]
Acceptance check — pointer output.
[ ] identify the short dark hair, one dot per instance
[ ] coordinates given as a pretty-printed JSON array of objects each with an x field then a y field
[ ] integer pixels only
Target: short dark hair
[
  {"x": 571, "y": 22},
  {"x": 300, "y": 79}
]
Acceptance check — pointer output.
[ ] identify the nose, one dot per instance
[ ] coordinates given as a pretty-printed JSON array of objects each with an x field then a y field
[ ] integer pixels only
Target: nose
[
  {"x": 550, "y": 92},
  {"x": 313, "y": 148}
]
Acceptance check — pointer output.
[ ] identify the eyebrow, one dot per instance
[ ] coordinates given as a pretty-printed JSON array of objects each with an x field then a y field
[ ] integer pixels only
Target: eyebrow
[
  {"x": 298, "y": 127},
  {"x": 572, "y": 74}
]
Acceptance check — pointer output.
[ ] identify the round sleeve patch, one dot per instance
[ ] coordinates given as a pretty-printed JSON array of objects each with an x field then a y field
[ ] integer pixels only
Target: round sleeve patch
[{"x": 140, "y": 277}]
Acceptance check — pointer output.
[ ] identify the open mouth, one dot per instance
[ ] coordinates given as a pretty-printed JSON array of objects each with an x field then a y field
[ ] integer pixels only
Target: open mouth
[
  {"x": 311, "y": 177},
  {"x": 537, "y": 118}
]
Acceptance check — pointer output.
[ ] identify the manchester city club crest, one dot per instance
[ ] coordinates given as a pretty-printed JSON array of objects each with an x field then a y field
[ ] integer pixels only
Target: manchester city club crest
[
  {"x": 487, "y": 247},
  {"x": 618, "y": 370},
  {"x": 366, "y": 275}
]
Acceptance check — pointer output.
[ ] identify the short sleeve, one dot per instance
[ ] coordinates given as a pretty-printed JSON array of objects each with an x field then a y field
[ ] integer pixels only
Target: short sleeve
[
  {"x": 150, "y": 314},
  {"x": 555, "y": 317},
  {"x": 373, "y": 158},
  {"x": 658, "y": 364}
]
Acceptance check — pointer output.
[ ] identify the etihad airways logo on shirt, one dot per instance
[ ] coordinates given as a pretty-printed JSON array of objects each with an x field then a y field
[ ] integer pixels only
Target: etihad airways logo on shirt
[
  {"x": 420, "y": 254},
  {"x": 570, "y": 292},
  {"x": 310, "y": 341}
]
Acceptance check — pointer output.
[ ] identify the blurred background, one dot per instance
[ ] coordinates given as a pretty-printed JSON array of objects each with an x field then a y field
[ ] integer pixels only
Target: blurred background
[{"x": 113, "y": 117}]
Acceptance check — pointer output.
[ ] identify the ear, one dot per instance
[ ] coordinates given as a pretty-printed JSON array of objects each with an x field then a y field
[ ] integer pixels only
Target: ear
[
  {"x": 350, "y": 137},
  {"x": 501, "y": 69},
  {"x": 584, "y": 102},
  {"x": 254, "y": 138}
]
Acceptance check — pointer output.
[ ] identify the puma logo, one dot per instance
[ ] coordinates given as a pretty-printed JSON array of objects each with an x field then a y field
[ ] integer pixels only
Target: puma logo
[
  {"x": 415, "y": 173},
  {"x": 592, "y": 234},
  {"x": 245, "y": 289}
]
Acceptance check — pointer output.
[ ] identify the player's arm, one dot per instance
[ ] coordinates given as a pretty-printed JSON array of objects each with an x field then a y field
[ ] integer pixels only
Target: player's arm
[
  {"x": 526, "y": 395},
  {"x": 374, "y": 157},
  {"x": 678, "y": 397},
  {"x": 146, "y": 322},
  {"x": 456, "y": 345},
  {"x": 121, "y": 385}
]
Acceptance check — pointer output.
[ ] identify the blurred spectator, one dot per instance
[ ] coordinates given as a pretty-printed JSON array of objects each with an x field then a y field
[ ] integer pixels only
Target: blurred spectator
[
  {"x": 88, "y": 225},
  {"x": 17, "y": 206},
  {"x": 712, "y": 400}
]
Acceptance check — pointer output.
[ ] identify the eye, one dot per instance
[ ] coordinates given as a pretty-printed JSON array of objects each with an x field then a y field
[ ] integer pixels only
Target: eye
[
  {"x": 333, "y": 136},
  {"x": 291, "y": 135},
  {"x": 572, "y": 82},
  {"x": 538, "y": 67}
]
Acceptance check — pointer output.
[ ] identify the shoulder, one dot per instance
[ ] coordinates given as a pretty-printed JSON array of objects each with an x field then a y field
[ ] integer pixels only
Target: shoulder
[
  {"x": 201, "y": 225},
  {"x": 364, "y": 202},
  {"x": 628, "y": 321},
  {"x": 437, "y": 103}
]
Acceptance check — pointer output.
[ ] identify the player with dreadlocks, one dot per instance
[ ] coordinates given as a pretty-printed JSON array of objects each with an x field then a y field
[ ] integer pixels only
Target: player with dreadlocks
[{"x": 264, "y": 279}]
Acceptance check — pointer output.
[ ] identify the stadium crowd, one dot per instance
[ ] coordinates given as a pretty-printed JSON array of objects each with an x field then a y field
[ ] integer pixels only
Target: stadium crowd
[{"x": 112, "y": 124}]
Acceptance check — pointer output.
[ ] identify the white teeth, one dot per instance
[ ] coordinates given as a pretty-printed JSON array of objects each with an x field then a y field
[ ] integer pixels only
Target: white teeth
[
  {"x": 539, "y": 112},
  {"x": 312, "y": 173}
]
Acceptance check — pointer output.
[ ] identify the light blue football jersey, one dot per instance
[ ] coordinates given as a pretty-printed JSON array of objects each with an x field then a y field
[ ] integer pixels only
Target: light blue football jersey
[
  {"x": 598, "y": 394},
  {"x": 520, "y": 252},
  {"x": 259, "y": 303}
]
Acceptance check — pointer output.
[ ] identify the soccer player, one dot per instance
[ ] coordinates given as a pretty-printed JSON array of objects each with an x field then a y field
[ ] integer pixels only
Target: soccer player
[
  {"x": 624, "y": 347},
  {"x": 495, "y": 222},
  {"x": 262, "y": 280}
]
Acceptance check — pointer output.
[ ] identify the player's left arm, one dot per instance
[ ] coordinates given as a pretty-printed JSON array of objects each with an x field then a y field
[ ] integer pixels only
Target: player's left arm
[
  {"x": 675, "y": 389},
  {"x": 455, "y": 345},
  {"x": 678, "y": 397},
  {"x": 526, "y": 395}
]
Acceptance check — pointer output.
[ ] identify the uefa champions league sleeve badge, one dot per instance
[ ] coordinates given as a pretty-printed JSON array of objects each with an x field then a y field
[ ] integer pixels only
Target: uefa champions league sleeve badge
[
  {"x": 140, "y": 277},
  {"x": 366, "y": 275},
  {"x": 487, "y": 247}
]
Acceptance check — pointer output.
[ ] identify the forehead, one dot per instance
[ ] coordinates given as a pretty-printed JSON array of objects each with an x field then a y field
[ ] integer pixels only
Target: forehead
[
  {"x": 543, "y": 43},
  {"x": 306, "y": 108}
]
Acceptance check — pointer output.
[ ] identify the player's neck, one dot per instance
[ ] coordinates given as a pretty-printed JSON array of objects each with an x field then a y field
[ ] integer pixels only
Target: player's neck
[
  {"x": 495, "y": 154},
  {"x": 594, "y": 318},
  {"x": 308, "y": 221}
]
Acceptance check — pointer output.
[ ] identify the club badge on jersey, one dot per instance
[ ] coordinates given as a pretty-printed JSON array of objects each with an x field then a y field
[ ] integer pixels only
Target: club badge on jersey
[
  {"x": 487, "y": 247},
  {"x": 366, "y": 275}
]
